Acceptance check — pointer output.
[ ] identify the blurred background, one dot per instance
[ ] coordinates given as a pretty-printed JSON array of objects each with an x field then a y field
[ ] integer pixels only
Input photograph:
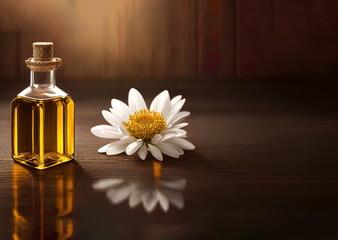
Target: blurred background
[
  {"x": 259, "y": 77},
  {"x": 177, "y": 39}
]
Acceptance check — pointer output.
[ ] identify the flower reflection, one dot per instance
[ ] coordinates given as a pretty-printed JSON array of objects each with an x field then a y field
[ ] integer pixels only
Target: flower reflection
[
  {"x": 42, "y": 203},
  {"x": 149, "y": 193}
]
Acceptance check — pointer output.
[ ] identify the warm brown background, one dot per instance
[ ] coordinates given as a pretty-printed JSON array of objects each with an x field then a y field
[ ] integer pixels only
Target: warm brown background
[
  {"x": 184, "y": 39},
  {"x": 265, "y": 164}
]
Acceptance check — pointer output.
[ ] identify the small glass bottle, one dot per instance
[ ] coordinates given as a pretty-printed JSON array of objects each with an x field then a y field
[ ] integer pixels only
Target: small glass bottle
[{"x": 42, "y": 115}]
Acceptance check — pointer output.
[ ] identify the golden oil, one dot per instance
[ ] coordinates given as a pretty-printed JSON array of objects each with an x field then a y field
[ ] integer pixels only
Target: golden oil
[
  {"x": 43, "y": 131},
  {"x": 42, "y": 115}
]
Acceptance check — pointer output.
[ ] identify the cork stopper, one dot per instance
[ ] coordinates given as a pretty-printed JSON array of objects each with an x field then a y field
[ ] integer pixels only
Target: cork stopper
[
  {"x": 43, "y": 51},
  {"x": 43, "y": 59}
]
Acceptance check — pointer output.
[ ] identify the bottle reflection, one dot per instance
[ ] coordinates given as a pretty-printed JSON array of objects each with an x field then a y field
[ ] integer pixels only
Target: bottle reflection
[
  {"x": 149, "y": 193},
  {"x": 43, "y": 202}
]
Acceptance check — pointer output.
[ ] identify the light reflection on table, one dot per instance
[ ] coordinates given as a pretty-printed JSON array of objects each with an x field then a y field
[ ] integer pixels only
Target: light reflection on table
[
  {"x": 150, "y": 192},
  {"x": 42, "y": 203}
]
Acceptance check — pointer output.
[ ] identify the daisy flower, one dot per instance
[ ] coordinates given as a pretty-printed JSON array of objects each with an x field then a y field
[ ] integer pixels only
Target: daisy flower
[{"x": 137, "y": 128}]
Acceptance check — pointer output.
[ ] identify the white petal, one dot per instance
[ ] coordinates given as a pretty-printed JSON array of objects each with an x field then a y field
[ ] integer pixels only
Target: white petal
[
  {"x": 155, "y": 152},
  {"x": 182, "y": 135},
  {"x": 182, "y": 143},
  {"x": 181, "y": 125},
  {"x": 121, "y": 107},
  {"x": 122, "y": 130},
  {"x": 117, "y": 148},
  {"x": 133, "y": 147},
  {"x": 136, "y": 101},
  {"x": 128, "y": 139},
  {"x": 109, "y": 117},
  {"x": 178, "y": 131},
  {"x": 149, "y": 201},
  {"x": 178, "y": 149},
  {"x": 106, "y": 183},
  {"x": 161, "y": 103},
  {"x": 164, "y": 105},
  {"x": 175, "y": 100},
  {"x": 164, "y": 202},
  {"x": 106, "y": 147},
  {"x": 154, "y": 104},
  {"x": 107, "y": 127},
  {"x": 167, "y": 136},
  {"x": 118, "y": 116},
  {"x": 105, "y": 131},
  {"x": 179, "y": 116},
  {"x": 175, "y": 109},
  {"x": 156, "y": 139},
  {"x": 142, "y": 153},
  {"x": 168, "y": 150}
]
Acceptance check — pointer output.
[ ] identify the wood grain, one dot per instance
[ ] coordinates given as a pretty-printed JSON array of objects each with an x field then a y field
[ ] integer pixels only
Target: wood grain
[{"x": 265, "y": 166}]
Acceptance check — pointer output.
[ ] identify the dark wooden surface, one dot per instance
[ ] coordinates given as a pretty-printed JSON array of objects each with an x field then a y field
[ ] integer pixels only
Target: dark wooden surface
[{"x": 265, "y": 166}]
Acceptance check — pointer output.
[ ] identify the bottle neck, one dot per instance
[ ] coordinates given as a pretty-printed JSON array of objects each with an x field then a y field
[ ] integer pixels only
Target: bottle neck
[{"x": 42, "y": 79}]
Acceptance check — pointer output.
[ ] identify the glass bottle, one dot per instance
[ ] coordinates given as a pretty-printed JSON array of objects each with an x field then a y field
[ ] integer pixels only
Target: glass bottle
[{"x": 42, "y": 115}]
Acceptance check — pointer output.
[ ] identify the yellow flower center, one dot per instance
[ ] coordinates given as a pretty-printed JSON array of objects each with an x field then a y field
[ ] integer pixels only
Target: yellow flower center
[{"x": 145, "y": 124}]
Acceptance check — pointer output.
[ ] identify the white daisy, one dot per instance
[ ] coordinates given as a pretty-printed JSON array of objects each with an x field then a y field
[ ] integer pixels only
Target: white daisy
[{"x": 139, "y": 129}]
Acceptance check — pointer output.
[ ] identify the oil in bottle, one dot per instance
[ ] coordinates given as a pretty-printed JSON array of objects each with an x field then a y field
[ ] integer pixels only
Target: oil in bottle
[{"x": 42, "y": 115}]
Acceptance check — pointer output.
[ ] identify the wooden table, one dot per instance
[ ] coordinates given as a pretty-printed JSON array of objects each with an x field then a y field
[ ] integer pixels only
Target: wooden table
[{"x": 265, "y": 166}]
